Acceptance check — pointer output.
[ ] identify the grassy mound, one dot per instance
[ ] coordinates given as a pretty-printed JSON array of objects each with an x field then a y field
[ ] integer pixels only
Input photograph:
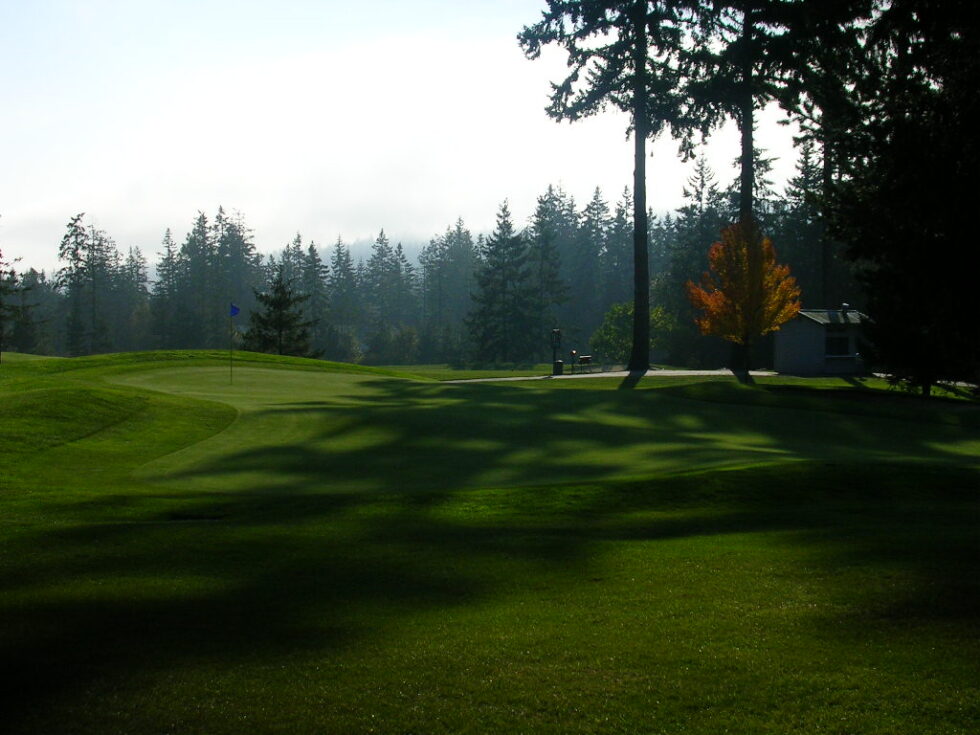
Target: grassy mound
[{"x": 331, "y": 549}]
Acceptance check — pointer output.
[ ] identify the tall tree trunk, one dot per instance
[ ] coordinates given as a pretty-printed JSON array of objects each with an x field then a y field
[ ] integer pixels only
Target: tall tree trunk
[
  {"x": 640, "y": 355},
  {"x": 826, "y": 244},
  {"x": 746, "y": 121}
]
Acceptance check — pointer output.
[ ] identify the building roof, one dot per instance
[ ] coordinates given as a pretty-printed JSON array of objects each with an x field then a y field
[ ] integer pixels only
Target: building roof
[{"x": 834, "y": 316}]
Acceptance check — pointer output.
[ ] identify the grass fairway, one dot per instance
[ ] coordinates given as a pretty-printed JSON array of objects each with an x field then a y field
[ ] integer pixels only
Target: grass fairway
[{"x": 326, "y": 549}]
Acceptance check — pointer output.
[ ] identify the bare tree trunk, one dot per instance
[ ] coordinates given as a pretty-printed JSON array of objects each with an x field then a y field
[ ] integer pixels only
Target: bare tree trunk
[
  {"x": 640, "y": 355},
  {"x": 746, "y": 123},
  {"x": 826, "y": 245}
]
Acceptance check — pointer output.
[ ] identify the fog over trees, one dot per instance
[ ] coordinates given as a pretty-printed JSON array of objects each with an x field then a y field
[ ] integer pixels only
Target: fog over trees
[{"x": 466, "y": 298}]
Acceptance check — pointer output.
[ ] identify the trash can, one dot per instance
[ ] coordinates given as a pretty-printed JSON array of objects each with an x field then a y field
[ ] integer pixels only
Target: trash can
[{"x": 558, "y": 368}]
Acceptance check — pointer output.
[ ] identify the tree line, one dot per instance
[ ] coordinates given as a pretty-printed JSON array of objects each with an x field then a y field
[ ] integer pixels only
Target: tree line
[{"x": 487, "y": 299}]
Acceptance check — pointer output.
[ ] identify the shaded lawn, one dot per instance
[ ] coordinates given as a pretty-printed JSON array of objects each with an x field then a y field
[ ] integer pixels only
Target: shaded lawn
[
  {"x": 823, "y": 594},
  {"x": 752, "y": 600}
]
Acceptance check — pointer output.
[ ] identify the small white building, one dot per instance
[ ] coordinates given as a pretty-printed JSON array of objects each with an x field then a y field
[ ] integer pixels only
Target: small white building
[{"x": 820, "y": 342}]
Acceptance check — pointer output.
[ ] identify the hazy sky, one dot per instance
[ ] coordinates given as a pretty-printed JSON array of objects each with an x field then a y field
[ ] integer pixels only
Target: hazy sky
[{"x": 319, "y": 116}]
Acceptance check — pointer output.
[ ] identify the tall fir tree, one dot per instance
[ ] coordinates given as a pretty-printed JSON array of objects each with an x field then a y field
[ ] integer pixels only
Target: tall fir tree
[
  {"x": 277, "y": 324},
  {"x": 503, "y": 325},
  {"x": 313, "y": 275},
  {"x": 551, "y": 232},
  {"x": 615, "y": 261},
  {"x": 584, "y": 279},
  {"x": 9, "y": 306},
  {"x": 199, "y": 281},
  {"x": 346, "y": 315},
  {"x": 448, "y": 266},
  {"x": 166, "y": 307},
  {"x": 624, "y": 54}
]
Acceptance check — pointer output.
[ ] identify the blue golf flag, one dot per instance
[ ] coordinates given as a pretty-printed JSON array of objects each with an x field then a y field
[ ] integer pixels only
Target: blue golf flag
[{"x": 234, "y": 310}]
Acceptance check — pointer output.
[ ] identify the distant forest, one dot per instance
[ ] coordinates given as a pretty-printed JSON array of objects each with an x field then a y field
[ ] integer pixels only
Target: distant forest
[{"x": 466, "y": 299}]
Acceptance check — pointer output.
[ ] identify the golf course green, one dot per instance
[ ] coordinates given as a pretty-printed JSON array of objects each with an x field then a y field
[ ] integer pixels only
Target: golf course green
[{"x": 298, "y": 546}]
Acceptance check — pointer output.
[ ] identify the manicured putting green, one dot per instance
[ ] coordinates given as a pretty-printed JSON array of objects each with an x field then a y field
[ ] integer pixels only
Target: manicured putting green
[{"x": 314, "y": 432}]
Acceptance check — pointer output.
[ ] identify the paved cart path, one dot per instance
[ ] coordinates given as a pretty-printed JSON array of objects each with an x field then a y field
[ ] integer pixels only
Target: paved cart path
[{"x": 616, "y": 374}]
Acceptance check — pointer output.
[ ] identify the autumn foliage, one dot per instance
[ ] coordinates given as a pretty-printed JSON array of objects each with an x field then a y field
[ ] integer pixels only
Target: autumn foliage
[{"x": 745, "y": 294}]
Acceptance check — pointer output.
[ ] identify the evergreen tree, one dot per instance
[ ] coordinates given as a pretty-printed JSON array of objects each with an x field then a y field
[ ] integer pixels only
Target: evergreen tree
[
  {"x": 40, "y": 306},
  {"x": 552, "y": 231},
  {"x": 616, "y": 259},
  {"x": 204, "y": 326},
  {"x": 584, "y": 272},
  {"x": 625, "y": 53},
  {"x": 313, "y": 275},
  {"x": 381, "y": 282},
  {"x": 434, "y": 294},
  {"x": 743, "y": 48},
  {"x": 801, "y": 230},
  {"x": 129, "y": 303},
  {"x": 237, "y": 267},
  {"x": 90, "y": 256},
  {"x": 448, "y": 267},
  {"x": 345, "y": 306},
  {"x": 503, "y": 324},
  {"x": 291, "y": 258},
  {"x": 166, "y": 308},
  {"x": 9, "y": 307},
  {"x": 277, "y": 325},
  {"x": 904, "y": 206},
  {"x": 406, "y": 286},
  {"x": 819, "y": 96},
  {"x": 686, "y": 239}
]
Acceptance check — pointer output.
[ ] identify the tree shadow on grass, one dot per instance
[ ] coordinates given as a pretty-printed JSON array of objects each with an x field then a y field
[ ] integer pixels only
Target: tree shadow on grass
[
  {"x": 405, "y": 436},
  {"x": 263, "y": 570}
]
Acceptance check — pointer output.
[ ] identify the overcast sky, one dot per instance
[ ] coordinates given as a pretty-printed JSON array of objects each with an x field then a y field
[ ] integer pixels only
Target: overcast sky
[{"x": 327, "y": 117}]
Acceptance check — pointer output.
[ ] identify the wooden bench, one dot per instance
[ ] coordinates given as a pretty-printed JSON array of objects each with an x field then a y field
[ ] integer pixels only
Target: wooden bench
[{"x": 580, "y": 360}]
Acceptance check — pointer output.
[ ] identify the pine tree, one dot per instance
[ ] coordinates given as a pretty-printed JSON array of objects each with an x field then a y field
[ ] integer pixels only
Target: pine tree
[
  {"x": 584, "y": 270},
  {"x": 550, "y": 233},
  {"x": 90, "y": 258},
  {"x": 9, "y": 308},
  {"x": 278, "y": 326},
  {"x": 801, "y": 230},
  {"x": 502, "y": 325},
  {"x": 130, "y": 303},
  {"x": 626, "y": 53},
  {"x": 166, "y": 309},
  {"x": 199, "y": 282},
  {"x": 346, "y": 313},
  {"x": 313, "y": 275},
  {"x": 380, "y": 282},
  {"x": 237, "y": 265},
  {"x": 40, "y": 306},
  {"x": 905, "y": 204},
  {"x": 616, "y": 259},
  {"x": 448, "y": 266}
]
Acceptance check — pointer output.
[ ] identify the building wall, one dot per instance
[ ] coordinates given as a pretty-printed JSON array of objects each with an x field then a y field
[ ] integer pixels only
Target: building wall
[{"x": 799, "y": 347}]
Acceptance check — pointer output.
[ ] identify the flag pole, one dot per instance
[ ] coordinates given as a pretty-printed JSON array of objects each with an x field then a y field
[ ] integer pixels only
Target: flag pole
[{"x": 232, "y": 311}]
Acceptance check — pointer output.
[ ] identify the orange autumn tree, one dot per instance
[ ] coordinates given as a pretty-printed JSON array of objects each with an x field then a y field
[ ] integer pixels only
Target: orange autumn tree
[{"x": 745, "y": 294}]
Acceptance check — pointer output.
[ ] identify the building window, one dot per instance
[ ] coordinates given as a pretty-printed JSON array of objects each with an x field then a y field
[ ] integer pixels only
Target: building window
[{"x": 837, "y": 346}]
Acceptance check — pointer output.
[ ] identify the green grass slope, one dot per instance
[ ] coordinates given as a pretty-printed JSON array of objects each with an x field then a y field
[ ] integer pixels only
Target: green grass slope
[{"x": 325, "y": 548}]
